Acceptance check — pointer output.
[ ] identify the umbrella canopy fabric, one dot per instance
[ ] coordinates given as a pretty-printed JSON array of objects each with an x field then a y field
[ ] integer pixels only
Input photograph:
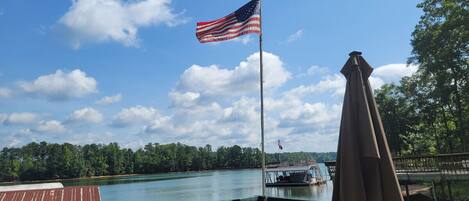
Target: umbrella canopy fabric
[{"x": 364, "y": 168}]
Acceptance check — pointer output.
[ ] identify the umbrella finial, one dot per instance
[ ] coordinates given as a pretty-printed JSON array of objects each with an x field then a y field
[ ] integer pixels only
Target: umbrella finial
[
  {"x": 356, "y": 61},
  {"x": 354, "y": 56},
  {"x": 355, "y": 53}
]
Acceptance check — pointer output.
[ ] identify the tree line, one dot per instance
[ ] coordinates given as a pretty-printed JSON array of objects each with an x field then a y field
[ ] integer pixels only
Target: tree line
[
  {"x": 41, "y": 161},
  {"x": 428, "y": 112}
]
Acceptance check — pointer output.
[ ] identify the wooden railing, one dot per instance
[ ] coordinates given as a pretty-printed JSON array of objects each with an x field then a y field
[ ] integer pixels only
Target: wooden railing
[{"x": 444, "y": 163}]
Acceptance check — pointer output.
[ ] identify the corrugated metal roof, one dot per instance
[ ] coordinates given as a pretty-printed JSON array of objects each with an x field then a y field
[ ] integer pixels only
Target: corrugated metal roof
[
  {"x": 24, "y": 187},
  {"x": 74, "y": 193}
]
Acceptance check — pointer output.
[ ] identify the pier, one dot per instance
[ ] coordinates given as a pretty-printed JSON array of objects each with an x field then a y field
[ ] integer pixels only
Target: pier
[{"x": 438, "y": 169}]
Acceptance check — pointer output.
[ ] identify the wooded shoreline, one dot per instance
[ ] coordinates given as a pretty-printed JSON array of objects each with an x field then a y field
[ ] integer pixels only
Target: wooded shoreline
[{"x": 49, "y": 161}]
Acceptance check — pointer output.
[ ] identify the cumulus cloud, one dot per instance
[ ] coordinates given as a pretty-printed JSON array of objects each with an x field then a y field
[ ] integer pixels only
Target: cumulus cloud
[
  {"x": 244, "y": 39},
  {"x": 4, "y": 92},
  {"x": 51, "y": 126},
  {"x": 336, "y": 83},
  {"x": 315, "y": 70},
  {"x": 86, "y": 115},
  {"x": 135, "y": 115},
  {"x": 18, "y": 118},
  {"x": 295, "y": 36},
  {"x": 211, "y": 124},
  {"x": 376, "y": 82},
  {"x": 218, "y": 106},
  {"x": 186, "y": 99},
  {"x": 331, "y": 83},
  {"x": 243, "y": 110},
  {"x": 115, "y": 20},
  {"x": 294, "y": 116},
  {"x": 61, "y": 85},
  {"x": 215, "y": 81},
  {"x": 108, "y": 100},
  {"x": 91, "y": 137},
  {"x": 310, "y": 115},
  {"x": 394, "y": 72},
  {"x": 390, "y": 73}
]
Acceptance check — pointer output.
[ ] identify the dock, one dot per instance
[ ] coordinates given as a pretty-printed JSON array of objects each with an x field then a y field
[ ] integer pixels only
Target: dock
[
  {"x": 294, "y": 175},
  {"x": 443, "y": 168},
  {"x": 49, "y": 192}
]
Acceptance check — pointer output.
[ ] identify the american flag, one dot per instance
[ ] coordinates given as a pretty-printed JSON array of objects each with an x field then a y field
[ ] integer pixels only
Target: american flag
[
  {"x": 279, "y": 145},
  {"x": 245, "y": 20}
]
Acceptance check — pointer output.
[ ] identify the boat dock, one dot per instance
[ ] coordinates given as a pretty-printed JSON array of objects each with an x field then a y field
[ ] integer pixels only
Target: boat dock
[
  {"x": 49, "y": 192},
  {"x": 295, "y": 175}
]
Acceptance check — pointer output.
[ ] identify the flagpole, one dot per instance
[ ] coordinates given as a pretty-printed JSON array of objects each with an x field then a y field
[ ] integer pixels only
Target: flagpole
[{"x": 261, "y": 64}]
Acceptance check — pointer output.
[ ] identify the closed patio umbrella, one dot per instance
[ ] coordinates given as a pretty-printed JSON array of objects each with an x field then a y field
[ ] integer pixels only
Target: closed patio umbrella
[{"x": 364, "y": 168}]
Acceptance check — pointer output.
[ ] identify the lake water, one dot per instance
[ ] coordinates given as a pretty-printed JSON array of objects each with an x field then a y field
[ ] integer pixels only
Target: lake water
[{"x": 198, "y": 186}]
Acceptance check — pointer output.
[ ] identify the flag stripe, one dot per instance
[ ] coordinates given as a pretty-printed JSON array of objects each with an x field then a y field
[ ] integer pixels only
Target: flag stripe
[
  {"x": 221, "y": 23},
  {"x": 215, "y": 39},
  {"x": 255, "y": 27},
  {"x": 218, "y": 26},
  {"x": 215, "y": 21},
  {"x": 241, "y": 29},
  {"x": 253, "y": 20}
]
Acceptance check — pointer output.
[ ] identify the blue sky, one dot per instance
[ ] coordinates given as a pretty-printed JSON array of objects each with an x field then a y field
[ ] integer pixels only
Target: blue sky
[{"x": 133, "y": 72}]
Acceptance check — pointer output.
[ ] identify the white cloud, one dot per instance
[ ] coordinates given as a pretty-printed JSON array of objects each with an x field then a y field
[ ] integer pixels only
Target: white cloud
[
  {"x": 244, "y": 39},
  {"x": 4, "y": 92},
  {"x": 336, "y": 83},
  {"x": 187, "y": 99},
  {"x": 51, "y": 126},
  {"x": 311, "y": 115},
  {"x": 394, "y": 72},
  {"x": 295, "y": 36},
  {"x": 19, "y": 118},
  {"x": 91, "y": 137},
  {"x": 390, "y": 73},
  {"x": 108, "y": 100},
  {"x": 214, "y": 81},
  {"x": 236, "y": 123},
  {"x": 331, "y": 83},
  {"x": 135, "y": 115},
  {"x": 315, "y": 70},
  {"x": 376, "y": 82},
  {"x": 86, "y": 115},
  {"x": 243, "y": 110},
  {"x": 60, "y": 85},
  {"x": 115, "y": 20},
  {"x": 3, "y": 117}
]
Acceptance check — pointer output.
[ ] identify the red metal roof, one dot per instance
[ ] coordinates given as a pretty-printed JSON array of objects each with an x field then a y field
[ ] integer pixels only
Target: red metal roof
[{"x": 73, "y": 193}]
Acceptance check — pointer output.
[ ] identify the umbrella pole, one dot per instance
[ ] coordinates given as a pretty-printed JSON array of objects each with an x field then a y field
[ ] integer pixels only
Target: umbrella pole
[{"x": 262, "y": 102}]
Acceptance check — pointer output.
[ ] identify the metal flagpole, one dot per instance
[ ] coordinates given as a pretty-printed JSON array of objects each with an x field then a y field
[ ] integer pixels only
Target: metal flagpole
[{"x": 262, "y": 100}]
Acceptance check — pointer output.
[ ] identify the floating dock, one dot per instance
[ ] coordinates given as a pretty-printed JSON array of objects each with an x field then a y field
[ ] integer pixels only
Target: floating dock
[{"x": 295, "y": 175}]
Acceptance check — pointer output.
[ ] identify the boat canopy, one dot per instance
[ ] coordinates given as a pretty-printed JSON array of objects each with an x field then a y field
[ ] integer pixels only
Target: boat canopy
[{"x": 290, "y": 168}]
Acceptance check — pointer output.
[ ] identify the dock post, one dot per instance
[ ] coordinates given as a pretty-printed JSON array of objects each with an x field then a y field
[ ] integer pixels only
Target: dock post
[
  {"x": 434, "y": 191},
  {"x": 407, "y": 197},
  {"x": 449, "y": 190}
]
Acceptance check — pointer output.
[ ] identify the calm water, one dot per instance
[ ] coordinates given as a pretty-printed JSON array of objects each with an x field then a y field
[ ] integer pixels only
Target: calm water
[{"x": 198, "y": 186}]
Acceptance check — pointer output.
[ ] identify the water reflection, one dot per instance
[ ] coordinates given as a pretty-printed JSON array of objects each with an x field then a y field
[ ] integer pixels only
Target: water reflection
[
  {"x": 197, "y": 186},
  {"x": 127, "y": 179},
  {"x": 319, "y": 192}
]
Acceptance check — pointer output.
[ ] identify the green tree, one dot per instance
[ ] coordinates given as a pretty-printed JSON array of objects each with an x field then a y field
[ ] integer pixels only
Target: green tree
[{"x": 440, "y": 44}]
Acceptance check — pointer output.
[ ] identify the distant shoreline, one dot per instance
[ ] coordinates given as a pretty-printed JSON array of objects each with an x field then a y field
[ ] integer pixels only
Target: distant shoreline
[
  {"x": 68, "y": 179},
  {"x": 111, "y": 176},
  {"x": 106, "y": 177}
]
